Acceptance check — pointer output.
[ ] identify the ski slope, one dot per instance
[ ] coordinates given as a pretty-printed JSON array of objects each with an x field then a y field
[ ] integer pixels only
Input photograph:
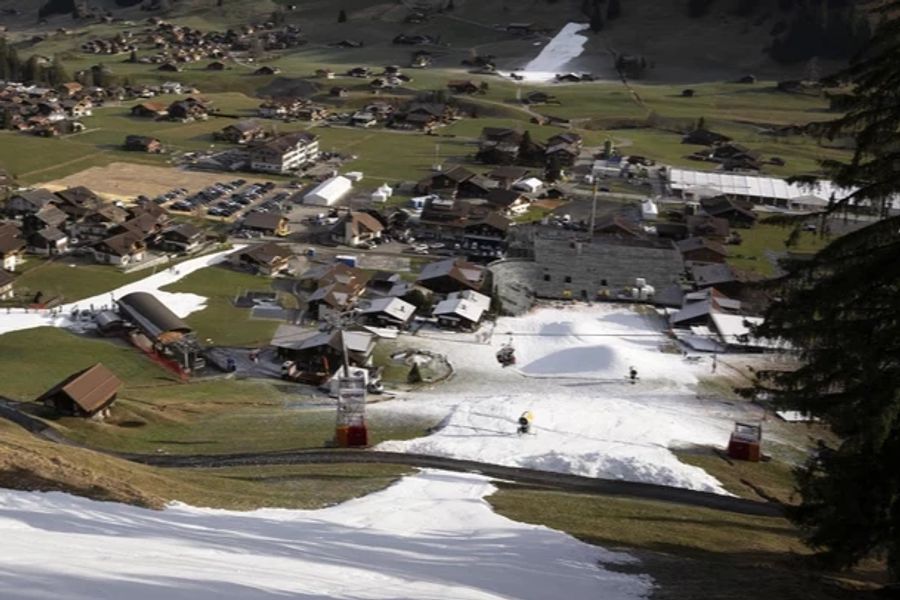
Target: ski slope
[
  {"x": 429, "y": 536},
  {"x": 182, "y": 304},
  {"x": 553, "y": 59},
  {"x": 572, "y": 374}
]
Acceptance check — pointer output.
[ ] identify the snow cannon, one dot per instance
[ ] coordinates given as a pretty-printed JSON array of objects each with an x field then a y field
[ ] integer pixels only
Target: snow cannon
[
  {"x": 506, "y": 356},
  {"x": 525, "y": 422}
]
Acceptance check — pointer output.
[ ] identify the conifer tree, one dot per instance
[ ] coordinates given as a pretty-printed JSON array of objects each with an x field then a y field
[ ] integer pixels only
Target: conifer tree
[{"x": 839, "y": 313}]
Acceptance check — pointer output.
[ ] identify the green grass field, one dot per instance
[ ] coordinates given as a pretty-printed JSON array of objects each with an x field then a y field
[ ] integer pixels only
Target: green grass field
[
  {"x": 34, "y": 360},
  {"x": 221, "y": 321},
  {"x": 70, "y": 280},
  {"x": 751, "y": 255}
]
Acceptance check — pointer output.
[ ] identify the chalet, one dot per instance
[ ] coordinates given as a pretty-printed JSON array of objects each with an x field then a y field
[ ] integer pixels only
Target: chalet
[
  {"x": 216, "y": 65},
  {"x": 284, "y": 153},
  {"x": 568, "y": 138},
  {"x": 267, "y": 70},
  {"x": 714, "y": 228},
  {"x": 701, "y": 250},
  {"x": 382, "y": 282},
  {"x": 78, "y": 196},
  {"x": 324, "y": 275},
  {"x": 324, "y": 73},
  {"x": 717, "y": 275},
  {"x": 181, "y": 238},
  {"x": 48, "y": 241},
  {"x": 736, "y": 213},
  {"x": 99, "y": 223},
  {"x": 333, "y": 299},
  {"x": 12, "y": 247},
  {"x": 171, "y": 87},
  {"x": 89, "y": 393},
  {"x": 189, "y": 109},
  {"x": 169, "y": 67},
  {"x": 312, "y": 112},
  {"x": 339, "y": 92},
  {"x": 272, "y": 224},
  {"x": 698, "y": 307},
  {"x": 426, "y": 116},
  {"x": 704, "y": 137},
  {"x": 29, "y": 202},
  {"x": 6, "y": 285},
  {"x": 463, "y": 86},
  {"x": 499, "y": 145},
  {"x": 506, "y": 176},
  {"x": 462, "y": 310},
  {"x": 363, "y": 119},
  {"x": 323, "y": 351},
  {"x": 511, "y": 202},
  {"x": 520, "y": 28},
  {"x": 619, "y": 226},
  {"x": 360, "y": 72},
  {"x": 49, "y": 216},
  {"x": 143, "y": 143},
  {"x": 121, "y": 249},
  {"x": 387, "y": 312},
  {"x": 279, "y": 109},
  {"x": 70, "y": 88},
  {"x": 357, "y": 229},
  {"x": 448, "y": 180},
  {"x": 268, "y": 259},
  {"x": 76, "y": 109},
  {"x": 451, "y": 275},
  {"x": 538, "y": 98},
  {"x": 486, "y": 236},
  {"x": 421, "y": 59},
  {"x": 242, "y": 132},
  {"x": 149, "y": 109},
  {"x": 144, "y": 224}
]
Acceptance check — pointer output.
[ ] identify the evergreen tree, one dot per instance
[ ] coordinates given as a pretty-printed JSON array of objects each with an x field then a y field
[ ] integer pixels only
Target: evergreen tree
[
  {"x": 597, "y": 22},
  {"x": 57, "y": 73},
  {"x": 839, "y": 314},
  {"x": 342, "y": 16},
  {"x": 31, "y": 72},
  {"x": 614, "y": 10},
  {"x": 7, "y": 119}
]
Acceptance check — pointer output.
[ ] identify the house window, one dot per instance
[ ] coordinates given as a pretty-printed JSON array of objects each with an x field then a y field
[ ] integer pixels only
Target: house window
[
  {"x": 603, "y": 282},
  {"x": 568, "y": 279},
  {"x": 546, "y": 276}
]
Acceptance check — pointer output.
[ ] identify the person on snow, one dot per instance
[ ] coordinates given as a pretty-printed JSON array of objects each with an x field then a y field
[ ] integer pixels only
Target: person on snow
[
  {"x": 632, "y": 374},
  {"x": 525, "y": 422}
]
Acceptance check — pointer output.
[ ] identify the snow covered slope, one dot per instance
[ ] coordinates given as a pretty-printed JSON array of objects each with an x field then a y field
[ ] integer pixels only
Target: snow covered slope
[
  {"x": 572, "y": 374},
  {"x": 430, "y": 536}
]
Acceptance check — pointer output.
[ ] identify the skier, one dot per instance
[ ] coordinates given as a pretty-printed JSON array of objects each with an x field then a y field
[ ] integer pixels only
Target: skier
[
  {"x": 632, "y": 375},
  {"x": 525, "y": 422}
]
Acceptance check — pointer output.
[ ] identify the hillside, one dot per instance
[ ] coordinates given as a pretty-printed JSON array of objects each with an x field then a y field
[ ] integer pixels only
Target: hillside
[{"x": 722, "y": 39}]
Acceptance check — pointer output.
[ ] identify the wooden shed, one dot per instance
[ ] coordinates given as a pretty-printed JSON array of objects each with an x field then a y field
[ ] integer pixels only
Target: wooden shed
[{"x": 88, "y": 393}]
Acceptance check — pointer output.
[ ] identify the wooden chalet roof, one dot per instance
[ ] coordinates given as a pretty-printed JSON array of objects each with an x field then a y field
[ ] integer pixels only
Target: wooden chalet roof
[{"x": 91, "y": 389}]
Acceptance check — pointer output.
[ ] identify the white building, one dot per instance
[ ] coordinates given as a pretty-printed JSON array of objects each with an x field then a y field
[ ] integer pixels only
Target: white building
[
  {"x": 329, "y": 192},
  {"x": 285, "y": 153},
  {"x": 694, "y": 185},
  {"x": 531, "y": 185}
]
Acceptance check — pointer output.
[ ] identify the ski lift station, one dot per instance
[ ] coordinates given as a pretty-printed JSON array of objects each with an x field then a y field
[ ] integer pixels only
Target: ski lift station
[{"x": 329, "y": 192}]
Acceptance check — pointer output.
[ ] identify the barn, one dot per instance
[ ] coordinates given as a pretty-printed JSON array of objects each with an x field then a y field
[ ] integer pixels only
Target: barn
[{"x": 88, "y": 393}]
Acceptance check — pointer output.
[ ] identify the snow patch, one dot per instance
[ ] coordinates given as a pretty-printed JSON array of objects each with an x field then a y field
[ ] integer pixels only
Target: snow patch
[
  {"x": 182, "y": 304},
  {"x": 430, "y": 536},
  {"x": 572, "y": 374},
  {"x": 565, "y": 47}
]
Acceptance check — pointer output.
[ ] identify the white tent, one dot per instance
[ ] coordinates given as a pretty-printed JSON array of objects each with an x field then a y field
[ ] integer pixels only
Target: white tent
[
  {"x": 382, "y": 194},
  {"x": 329, "y": 192}
]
